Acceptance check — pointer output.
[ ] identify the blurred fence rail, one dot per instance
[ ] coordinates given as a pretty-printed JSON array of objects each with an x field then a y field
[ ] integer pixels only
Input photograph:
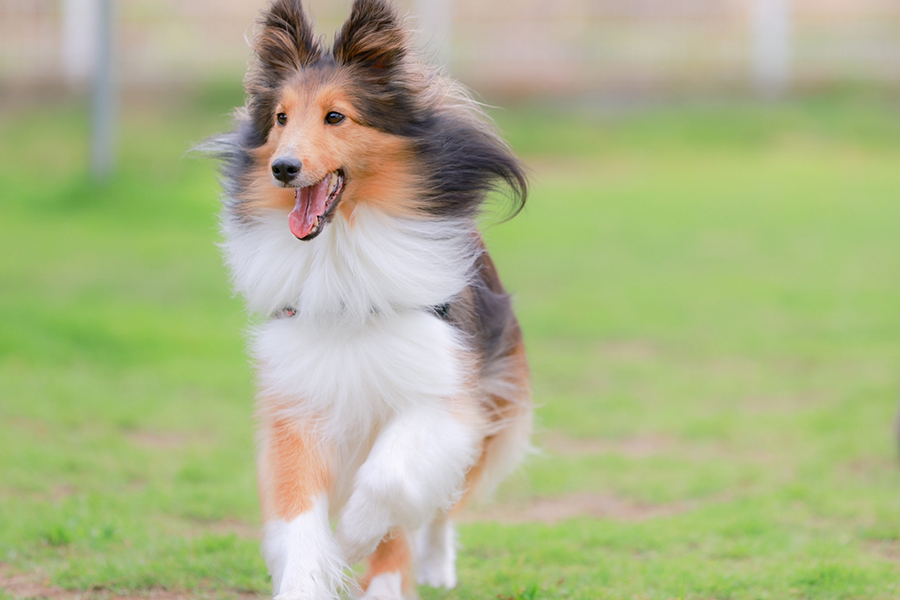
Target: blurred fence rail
[{"x": 513, "y": 46}]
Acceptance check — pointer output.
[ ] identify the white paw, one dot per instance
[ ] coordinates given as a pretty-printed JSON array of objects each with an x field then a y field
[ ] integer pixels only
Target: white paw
[
  {"x": 385, "y": 586},
  {"x": 293, "y": 596},
  {"x": 314, "y": 588},
  {"x": 362, "y": 525},
  {"x": 355, "y": 550},
  {"x": 436, "y": 545},
  {"x": 437, "y": 575}
]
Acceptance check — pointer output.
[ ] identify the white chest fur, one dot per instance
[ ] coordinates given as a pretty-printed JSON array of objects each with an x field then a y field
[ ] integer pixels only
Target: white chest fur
[
  {"x": 362, "y": 343},
  {"x": 356, "y": 376},
  {"x": 374, "y": 264}
]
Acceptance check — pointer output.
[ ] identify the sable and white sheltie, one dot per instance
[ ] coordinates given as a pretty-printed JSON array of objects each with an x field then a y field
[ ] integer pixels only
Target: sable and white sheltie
[{"x": 392, "y": 377}]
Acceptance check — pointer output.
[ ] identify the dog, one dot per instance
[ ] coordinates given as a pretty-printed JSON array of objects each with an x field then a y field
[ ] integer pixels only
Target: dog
[{"x": 392, "y": 376}]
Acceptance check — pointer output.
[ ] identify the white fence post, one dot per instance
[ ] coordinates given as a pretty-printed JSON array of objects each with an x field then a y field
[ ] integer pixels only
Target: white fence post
[
  {"x": 80, "y": 32},
  {"x": 104, "y": 95},
  {"x": 771, "y": 33},
  {"x": 435, "y": 22}
]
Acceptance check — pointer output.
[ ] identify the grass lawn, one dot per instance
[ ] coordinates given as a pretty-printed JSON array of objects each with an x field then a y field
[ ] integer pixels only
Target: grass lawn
[{"x": 711, "y": 300}]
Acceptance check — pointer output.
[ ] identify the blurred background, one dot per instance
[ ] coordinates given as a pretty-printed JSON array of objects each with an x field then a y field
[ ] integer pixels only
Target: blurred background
[
  {"x": 514, "y": 47},
  {"x": 707, "y": 273}
]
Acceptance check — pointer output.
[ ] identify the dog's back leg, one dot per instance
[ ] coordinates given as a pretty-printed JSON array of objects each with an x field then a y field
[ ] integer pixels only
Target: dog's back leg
[{"x": 435, "y": 545}]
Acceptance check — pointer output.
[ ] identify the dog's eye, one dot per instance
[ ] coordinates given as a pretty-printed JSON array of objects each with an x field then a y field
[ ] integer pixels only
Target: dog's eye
[
  {"x": 281, "y": 118},
  {"x": 333, "y": 118}
]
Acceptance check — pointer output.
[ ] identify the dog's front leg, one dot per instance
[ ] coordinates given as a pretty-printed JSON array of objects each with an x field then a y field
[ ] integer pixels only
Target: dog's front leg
[
  {"x": 417, "y": 466},
  {"x": 298, "y": 544}
]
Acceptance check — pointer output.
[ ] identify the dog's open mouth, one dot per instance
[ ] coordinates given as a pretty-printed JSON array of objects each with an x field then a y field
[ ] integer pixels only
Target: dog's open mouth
[{"x": 315, "y": 204}]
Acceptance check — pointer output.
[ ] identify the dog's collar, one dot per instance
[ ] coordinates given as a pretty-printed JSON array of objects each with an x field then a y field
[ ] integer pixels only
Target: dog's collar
[
  {"x": 440, "y": 310},
  {"x": 284, "y": 313}
]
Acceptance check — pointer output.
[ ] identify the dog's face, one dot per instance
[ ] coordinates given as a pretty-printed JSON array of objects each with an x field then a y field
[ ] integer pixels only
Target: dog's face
[
  {"x": 314, "y": 132},
  {"x": 313, "y": 139},
  {"x": 326, "y": 130},
  {"x": 334, "y": 123},
  {"x": 320, "y": 146}
]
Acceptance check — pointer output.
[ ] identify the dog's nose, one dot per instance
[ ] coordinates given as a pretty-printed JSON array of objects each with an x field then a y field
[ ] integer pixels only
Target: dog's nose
[{"x": 286, "y": 168}]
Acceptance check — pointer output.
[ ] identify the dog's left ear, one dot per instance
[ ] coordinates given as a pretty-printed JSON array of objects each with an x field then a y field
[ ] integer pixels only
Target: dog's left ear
[{"x": 372, "y": 37}]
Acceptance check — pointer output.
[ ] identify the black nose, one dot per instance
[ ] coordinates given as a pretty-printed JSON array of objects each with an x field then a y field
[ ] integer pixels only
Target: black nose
[{"x": 286, "y": 168}]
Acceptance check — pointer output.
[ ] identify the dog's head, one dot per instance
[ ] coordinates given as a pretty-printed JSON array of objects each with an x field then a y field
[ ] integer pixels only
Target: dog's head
[{"x": 362, "y": 122}]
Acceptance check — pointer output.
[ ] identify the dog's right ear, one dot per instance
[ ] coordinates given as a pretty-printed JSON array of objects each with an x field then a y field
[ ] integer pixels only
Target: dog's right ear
[
  {"x": 284, "y": 44},
  {"x": 285, "y": 41}
]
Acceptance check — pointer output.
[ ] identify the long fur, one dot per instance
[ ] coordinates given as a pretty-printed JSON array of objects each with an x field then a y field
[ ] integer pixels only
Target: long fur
[{"x": 388, "y": 355}]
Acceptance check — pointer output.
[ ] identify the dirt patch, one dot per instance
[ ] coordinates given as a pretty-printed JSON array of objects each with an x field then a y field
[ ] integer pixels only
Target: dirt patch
[
  {"x": 61, "y": 492},
  {"x": 559, "y": 508},
  {"x": 781, "y": 404},
  {"x": 32, "y": 585},
  {"x": 241, "y": 529},
  {"x": 34, "y": 426},
  {"x": 889, "y": 549},
  {"x": 640, "y": 446},
  {"x": 556, "y": 444},
  {"x": 160, "y": 440},
  {"x": 36, "y": 585},
  {"x": 628, "y": 350}
]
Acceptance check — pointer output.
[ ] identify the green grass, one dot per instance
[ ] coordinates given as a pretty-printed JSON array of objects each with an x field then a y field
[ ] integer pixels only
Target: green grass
[{"x": 711, "y": 300}]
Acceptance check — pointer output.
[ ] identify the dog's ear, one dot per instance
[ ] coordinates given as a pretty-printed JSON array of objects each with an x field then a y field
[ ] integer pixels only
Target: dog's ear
[
  {"x": 373, "y": 36},
  {"x": 284, "y": 44},
  {"x": 285, "y": 41}
]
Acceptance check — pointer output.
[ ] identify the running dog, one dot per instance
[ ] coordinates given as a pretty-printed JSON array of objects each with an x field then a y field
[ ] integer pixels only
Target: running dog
[{"x": 393, "y": 383}]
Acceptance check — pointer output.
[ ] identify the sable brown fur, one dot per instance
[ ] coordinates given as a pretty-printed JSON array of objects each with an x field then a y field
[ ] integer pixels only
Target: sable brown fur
[{"x": 417, "y": 160}]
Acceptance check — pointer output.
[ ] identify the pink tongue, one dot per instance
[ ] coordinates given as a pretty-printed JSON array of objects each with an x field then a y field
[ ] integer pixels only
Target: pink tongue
[{"x": 309, "y": 204}]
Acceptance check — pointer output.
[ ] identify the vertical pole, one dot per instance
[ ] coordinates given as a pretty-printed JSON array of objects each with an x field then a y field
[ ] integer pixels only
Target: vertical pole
[
  {"x": 435, "y": 24},
  {"x": 104, "y": 96},
  {"x": 771, "y": 32},
  {"x": 80, "y": 31}
]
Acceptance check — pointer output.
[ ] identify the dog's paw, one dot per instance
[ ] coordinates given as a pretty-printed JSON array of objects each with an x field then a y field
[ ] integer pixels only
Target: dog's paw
[
  {"x": 313, "y": 592},
  {"x": 385, "y": 586},
  {"x": 362, "y": 525},
  {"x": 436, "y": 546},
  {"x": 356, "y": 548},
  {"x": 294, "y": 596},
  {"x": 437, "y": 574}
]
